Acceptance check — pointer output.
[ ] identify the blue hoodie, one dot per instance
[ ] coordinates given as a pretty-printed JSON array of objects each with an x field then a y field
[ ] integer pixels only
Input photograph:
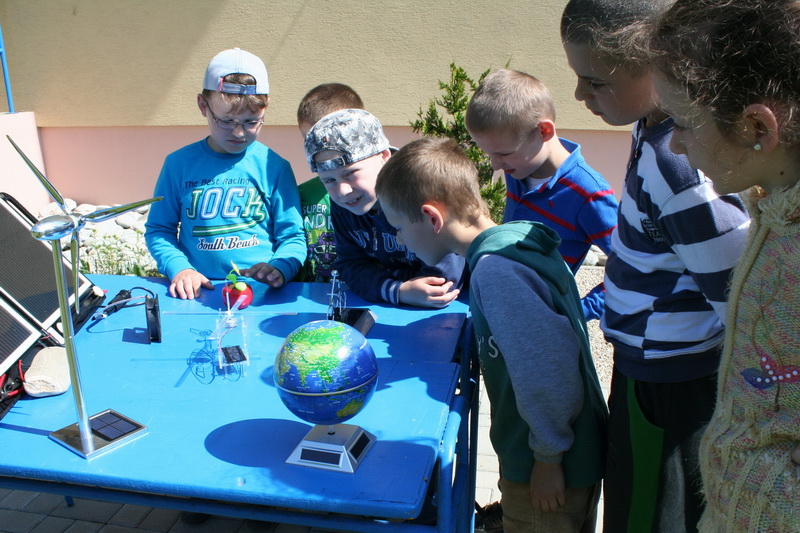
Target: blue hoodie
[{"x": 219, "y": 208}]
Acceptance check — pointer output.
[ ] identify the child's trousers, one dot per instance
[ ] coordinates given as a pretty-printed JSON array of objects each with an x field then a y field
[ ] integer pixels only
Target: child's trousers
[
  {"x": 652, "y": 481},
  {"x": 579, "y": 515}
]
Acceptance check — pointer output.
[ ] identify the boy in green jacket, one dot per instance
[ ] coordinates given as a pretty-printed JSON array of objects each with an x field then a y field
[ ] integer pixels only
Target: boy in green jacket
[{"x": 547, "y": 409}]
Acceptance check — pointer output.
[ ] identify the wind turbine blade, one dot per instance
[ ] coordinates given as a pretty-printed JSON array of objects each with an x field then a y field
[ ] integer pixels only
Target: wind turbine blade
[
  {"x": 110, "y": 212},
  {"x": 74, "y": 252},
  {"x": 47, "y": 185}
]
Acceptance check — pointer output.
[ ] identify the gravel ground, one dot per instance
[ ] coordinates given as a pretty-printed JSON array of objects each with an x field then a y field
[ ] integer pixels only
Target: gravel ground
[{"x": 587, "y": 278}]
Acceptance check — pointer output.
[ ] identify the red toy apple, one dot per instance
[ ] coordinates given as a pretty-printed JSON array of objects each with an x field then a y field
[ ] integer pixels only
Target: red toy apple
[{"x": 236, "y": 294}]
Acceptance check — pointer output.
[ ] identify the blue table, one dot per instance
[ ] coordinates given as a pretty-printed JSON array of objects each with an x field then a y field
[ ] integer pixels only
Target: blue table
[{"x": 217, "y": 442}]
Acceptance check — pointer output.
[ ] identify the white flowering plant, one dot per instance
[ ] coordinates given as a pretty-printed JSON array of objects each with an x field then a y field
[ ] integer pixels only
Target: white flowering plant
[{"x": 114, "y": 253}]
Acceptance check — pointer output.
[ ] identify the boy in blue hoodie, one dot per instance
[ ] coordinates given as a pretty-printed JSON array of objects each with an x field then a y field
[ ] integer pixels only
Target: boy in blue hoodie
[{"x": 227, "y": 197}]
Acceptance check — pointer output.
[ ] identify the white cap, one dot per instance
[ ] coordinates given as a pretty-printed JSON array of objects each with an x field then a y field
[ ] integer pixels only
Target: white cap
[{"x": 236, "y": 61}]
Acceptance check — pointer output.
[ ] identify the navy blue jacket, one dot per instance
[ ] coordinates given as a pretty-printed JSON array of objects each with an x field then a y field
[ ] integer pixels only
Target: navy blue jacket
[{"x": 371, "y": 262}]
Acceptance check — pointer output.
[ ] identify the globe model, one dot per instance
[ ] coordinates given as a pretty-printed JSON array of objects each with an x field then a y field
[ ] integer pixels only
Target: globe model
[{"x": 325, "y": 372}]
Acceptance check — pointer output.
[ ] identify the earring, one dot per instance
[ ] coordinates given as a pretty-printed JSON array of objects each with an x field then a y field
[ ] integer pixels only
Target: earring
[{"x": 757, "y": 147}]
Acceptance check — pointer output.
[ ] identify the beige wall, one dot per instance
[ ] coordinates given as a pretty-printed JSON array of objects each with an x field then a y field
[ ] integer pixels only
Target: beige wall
[{"x": 112, "y": 83}]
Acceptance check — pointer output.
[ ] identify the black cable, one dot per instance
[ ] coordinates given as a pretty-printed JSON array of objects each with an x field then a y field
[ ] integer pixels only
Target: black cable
[{"x": 121, "y": 300}]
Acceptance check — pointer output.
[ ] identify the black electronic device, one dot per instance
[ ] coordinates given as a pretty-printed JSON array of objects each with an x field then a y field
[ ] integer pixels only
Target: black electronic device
[
  {"x": 153, "y": 315},
  {"x": 117, "y": 302},
  {"x": 362, "y": 319}
]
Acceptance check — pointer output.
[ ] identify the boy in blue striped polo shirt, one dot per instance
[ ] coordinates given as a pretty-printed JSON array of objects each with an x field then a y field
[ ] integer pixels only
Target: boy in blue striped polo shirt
[
  {"x": 511, "y": 118},
  {"x": 666, "y": 279}
]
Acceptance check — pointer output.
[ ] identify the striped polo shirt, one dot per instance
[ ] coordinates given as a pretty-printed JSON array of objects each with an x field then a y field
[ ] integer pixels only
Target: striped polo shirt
[
  {"x": 672, "y": 255},
  {"x": 577, "y": 202}
]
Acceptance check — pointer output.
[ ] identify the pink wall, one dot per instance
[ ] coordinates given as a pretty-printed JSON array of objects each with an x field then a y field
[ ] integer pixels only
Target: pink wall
[
  {"x": 605, "y": 151},
  {"x": 120, "y": 165},
  {"x": 16, "y": 178}
]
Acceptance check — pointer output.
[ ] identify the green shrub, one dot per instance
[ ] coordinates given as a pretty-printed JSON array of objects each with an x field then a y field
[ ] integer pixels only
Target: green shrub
[{"x": 450, "y": 123}]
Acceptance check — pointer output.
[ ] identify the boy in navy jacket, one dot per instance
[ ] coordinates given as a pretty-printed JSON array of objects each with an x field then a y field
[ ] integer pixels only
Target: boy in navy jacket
[{"x": 347, "y": 150}]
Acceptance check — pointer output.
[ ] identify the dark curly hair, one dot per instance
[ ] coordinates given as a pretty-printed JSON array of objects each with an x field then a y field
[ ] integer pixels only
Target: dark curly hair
[{"x": 728, "y": 54}]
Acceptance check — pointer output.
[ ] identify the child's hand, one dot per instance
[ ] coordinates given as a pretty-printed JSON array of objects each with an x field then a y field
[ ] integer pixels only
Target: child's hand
[
  {"x": 265, "y": 273},
  {"x": 547, "y": 486},
  {"x": 186, "y": 284},
  {"x": 796, "y": 455},
  {"x": 427, "y": 291}
]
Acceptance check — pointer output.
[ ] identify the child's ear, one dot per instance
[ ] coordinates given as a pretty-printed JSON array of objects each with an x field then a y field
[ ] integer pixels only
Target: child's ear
[
  {"x": 385, "y": 155},
  {"x": 760, "y": 127},
  {"x": 547, "y": 128},
  {"x": 201, "y": 103},
  {"x": 433, "y": 215}
]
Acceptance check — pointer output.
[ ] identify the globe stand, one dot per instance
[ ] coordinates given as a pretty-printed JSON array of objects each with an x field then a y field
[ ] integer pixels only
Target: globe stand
[{"x": 339, "y": 447}]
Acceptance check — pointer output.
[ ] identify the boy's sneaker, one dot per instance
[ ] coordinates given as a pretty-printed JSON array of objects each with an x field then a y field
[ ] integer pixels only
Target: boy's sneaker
[{"x": 489, "y": 519}]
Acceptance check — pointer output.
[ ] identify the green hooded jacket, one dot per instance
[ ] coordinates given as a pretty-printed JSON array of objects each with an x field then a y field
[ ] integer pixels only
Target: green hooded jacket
[{"x": 535, "y": 246}]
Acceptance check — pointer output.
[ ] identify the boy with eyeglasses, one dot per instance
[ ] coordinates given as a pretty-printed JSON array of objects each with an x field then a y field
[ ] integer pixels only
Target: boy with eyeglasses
[{"x": 227, "y": 197}]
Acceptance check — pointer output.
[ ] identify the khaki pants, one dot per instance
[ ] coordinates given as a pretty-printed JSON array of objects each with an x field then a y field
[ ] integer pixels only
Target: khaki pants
[{"x": 579, "y": 515}]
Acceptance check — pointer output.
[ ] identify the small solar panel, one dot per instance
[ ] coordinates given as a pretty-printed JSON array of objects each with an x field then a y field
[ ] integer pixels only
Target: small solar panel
[
  {"x": 320, "y": 456},
  {"x": 113, "y": 426},
  {"x": 109, "y": 430},
  {"x": 233, "y": 354},
  {"x": 360, "y": 445}
]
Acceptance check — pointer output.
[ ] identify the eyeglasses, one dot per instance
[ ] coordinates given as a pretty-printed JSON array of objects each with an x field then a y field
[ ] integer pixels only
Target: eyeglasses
[{"x": 226, "y": 124}]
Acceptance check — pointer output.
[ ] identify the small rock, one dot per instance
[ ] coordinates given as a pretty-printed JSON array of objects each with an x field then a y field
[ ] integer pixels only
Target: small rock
[
  {"x": 591, "y": 258},
  {"x": 84, "y": 209},
  {"x": 601, "y": 256},
  {"x": 138, "y": 226},
  {"x": 54, "y": 209},
  {"x": 127, "y": 220}
]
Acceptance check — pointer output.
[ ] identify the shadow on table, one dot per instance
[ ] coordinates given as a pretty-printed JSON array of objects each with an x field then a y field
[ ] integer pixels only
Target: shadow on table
[
  {"x": 266, "y": 443},
  {"x": 430, "y": 339}
]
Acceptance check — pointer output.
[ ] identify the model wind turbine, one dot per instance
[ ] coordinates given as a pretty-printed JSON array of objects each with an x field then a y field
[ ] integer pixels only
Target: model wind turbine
[{"x": 104, "y": 431}]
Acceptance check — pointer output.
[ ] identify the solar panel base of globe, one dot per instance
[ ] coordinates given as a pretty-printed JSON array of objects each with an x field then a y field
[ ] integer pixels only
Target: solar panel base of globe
[
  {"x": 341, "y": 447},
  {"x": 325, "y": 373}
]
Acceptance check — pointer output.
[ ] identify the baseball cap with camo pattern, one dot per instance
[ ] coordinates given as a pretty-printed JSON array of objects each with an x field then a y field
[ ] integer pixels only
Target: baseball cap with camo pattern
[{"x": 354, "y": 133}]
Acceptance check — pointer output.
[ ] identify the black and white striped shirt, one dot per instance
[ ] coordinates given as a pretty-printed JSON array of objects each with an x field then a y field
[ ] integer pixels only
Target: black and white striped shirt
[{"x": 672, "y": 256}]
